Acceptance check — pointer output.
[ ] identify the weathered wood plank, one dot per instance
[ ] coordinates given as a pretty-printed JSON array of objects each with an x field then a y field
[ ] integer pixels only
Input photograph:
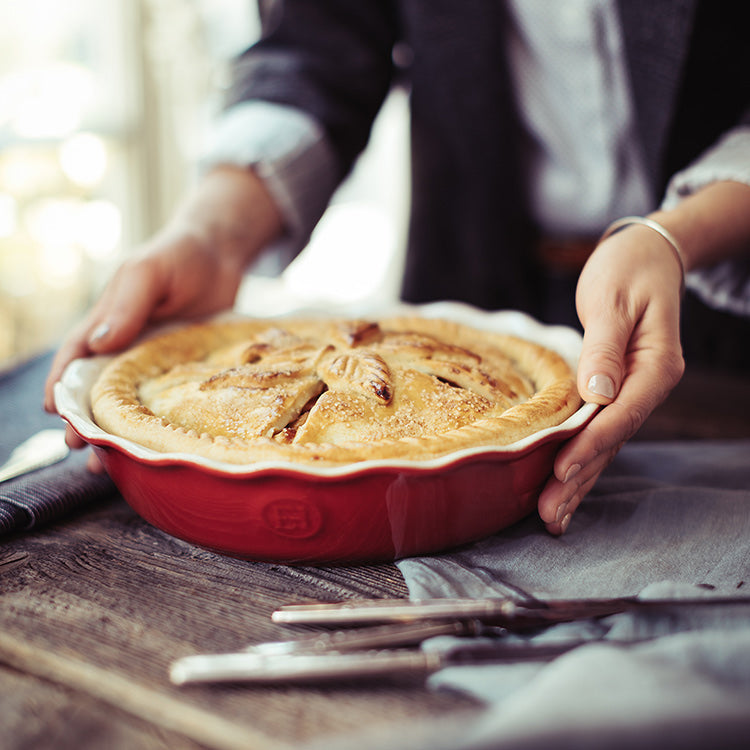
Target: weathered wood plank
[
  {"x": 36, "y": 715},
  {"x": 162, "y": 710},
  {"x": 107, "y": 593}
]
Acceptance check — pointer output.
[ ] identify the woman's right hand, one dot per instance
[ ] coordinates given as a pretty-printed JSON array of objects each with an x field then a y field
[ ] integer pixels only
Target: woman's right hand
[{"x": 191, "y": 269}]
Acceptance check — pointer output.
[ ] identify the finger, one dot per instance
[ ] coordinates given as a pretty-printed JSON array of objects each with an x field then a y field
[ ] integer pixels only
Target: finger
[
  {"x": 561, "y": 497},
  {"x": 589, "y": 452},
  {"x": 601, "y": 365},
  {"x": 610, "y": 429},
  {"x": 113, "y": 322},
  {"x": 118, "y": 317},
  {"x": 560, "y": 523},
  {"x": 72, "y": 439},
  {"x": 653, "y": 368},
  {"x": 126, "y": 306},
  {"x": 93, "y": 464},
  {"x": 74, "y": 347}
]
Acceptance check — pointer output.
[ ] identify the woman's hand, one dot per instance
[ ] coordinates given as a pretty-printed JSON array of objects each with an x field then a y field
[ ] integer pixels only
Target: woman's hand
[
  {"x": 192, "y": 268},
  {"x": 628, "y": 301}
]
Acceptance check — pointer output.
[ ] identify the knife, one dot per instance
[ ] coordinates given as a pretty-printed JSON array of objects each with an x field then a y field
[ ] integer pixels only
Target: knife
[
  {"x": 498, "y": 611},
  {"x": 42, "y": 449},
  {"x": 255, "y": 667}
]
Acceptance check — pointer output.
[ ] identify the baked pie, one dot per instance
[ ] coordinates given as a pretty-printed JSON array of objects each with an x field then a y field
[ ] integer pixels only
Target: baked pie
[{"x": 331, "y": 391}]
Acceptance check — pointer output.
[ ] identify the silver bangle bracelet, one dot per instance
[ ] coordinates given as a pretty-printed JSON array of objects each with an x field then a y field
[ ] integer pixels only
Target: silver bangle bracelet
[{"x": 626, "y": 221}]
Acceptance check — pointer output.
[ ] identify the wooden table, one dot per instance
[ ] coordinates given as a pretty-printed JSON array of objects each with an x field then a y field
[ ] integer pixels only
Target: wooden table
[{"x": 93, "y": 610}]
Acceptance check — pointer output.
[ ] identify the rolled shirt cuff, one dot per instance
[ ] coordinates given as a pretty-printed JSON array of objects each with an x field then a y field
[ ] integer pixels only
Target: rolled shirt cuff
[
  {"x": 289, "y": 151},
  {"x": 725, "y": 286}
]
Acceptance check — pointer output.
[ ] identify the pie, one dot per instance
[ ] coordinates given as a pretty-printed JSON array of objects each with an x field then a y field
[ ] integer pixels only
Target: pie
[{"x": 331, "y": 391}]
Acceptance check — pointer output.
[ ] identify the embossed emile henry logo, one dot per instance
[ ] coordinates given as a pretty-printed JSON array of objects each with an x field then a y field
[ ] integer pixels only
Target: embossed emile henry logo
[{"x": 292, "y": 518}]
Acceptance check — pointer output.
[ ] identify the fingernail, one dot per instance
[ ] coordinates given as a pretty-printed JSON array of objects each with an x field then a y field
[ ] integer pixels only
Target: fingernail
[
  {"x": 602, "y": 385},
  {"x": 565, "y": 523},
  {"x": 561, "y": 511},
  {"x": 99, "y": 333},
  {"x": 571, "y": 472}
]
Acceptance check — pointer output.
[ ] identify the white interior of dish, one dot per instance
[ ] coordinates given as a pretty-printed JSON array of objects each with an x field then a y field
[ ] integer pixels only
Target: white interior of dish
[{"x": 73, "y": 402}]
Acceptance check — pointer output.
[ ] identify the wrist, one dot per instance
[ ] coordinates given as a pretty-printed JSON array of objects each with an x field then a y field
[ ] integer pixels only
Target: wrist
[
  {"x": 683, "y": 233},
  {"x": 655, "y": 228},
  {"x": 232, "y": 212},
  {"x": 711, "y": 225}
]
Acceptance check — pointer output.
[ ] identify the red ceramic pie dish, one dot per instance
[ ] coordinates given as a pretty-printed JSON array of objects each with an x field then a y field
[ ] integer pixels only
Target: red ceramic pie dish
[{"x": 371, "y": 511}]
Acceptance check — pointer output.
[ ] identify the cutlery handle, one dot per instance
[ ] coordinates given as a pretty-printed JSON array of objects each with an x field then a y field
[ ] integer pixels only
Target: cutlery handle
[
  {"x": 257, "y": 668},
  {"x": 503, "y": 612},
  {"x": 391, "y": 610}
]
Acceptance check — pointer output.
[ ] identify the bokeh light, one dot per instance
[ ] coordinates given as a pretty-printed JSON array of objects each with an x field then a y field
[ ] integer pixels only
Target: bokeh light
[
  {"x": 83, "y": 158},
  {"x": 99, "y": 229},
  {"x": 8, "y": 215}
]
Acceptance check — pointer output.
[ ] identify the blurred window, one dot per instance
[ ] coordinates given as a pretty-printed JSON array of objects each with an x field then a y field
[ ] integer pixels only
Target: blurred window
[{"x": 104, "y": 105}]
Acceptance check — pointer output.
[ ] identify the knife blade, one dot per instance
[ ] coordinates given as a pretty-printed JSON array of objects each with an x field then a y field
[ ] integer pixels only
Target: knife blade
[
  {"x": 44, "y": 448},
  {"x": 390, "y": 635}
]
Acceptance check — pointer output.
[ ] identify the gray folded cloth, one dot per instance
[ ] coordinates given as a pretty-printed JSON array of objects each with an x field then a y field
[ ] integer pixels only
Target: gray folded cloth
[
  {"x": 47, "y": 494},
  {"x": 665, "y": 520}
]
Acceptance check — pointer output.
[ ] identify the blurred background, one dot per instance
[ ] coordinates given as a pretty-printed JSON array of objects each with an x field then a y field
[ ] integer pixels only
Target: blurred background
[{"x": 104, "y": 108}]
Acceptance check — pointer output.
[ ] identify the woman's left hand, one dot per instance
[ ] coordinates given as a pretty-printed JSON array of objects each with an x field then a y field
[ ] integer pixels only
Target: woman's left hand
[{"x": 628, "y": 301}]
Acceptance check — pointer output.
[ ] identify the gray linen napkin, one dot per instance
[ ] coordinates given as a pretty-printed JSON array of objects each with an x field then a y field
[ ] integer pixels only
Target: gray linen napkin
[
  {"x": 666, "y": 519},
  {"x": 49, "y": 494},
  {"x": 55, "y": 491}
]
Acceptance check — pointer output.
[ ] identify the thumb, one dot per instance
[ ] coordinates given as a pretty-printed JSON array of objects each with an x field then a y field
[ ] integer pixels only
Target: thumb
[{"x": 601, "y": 366}]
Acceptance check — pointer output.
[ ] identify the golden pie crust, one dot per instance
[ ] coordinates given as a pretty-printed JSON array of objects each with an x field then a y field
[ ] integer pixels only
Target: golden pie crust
[{"x": 331, "y": 391}]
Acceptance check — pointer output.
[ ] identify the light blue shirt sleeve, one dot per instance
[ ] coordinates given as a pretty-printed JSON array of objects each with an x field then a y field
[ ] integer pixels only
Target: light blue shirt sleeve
[
  {"x": 725, "y": 286},
  {"x": 289, "y": 151}
]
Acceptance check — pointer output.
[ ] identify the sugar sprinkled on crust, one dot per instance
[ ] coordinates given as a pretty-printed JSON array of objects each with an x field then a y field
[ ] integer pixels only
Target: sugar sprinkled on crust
[{"x": 332, "y": 391}]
